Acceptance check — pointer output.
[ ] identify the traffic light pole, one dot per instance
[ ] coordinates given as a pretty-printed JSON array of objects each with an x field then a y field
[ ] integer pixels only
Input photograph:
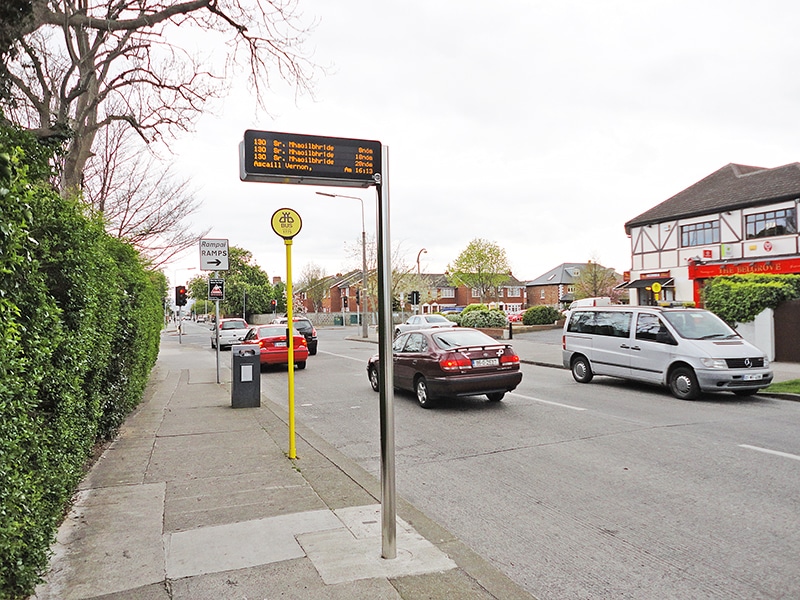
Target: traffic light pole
[{"x": 180, "y": 324}]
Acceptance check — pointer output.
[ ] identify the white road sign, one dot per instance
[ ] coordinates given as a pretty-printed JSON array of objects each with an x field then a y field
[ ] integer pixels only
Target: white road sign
[{"x": 214, "y": 255}]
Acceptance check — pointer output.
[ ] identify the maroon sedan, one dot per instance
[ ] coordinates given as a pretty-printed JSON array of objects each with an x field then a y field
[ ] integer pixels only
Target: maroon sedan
[
  {"x": 274, "y": 351},
  {"x": 456, "y": 361}
]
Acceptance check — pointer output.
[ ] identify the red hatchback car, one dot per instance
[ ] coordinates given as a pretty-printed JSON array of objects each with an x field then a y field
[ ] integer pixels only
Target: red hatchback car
[
  {"x": 274, "y": 351},
  {"x": 457, "y": 361}
]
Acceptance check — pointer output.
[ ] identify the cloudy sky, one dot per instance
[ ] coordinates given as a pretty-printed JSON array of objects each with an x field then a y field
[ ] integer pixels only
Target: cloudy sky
[{"x": 541, "y": 126}]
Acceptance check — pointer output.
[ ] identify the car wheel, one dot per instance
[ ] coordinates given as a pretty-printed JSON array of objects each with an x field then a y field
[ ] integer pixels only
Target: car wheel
[
  {"x": 374, "y": 380},
  {"x": 423, "y": 394},
  {"x": 683, "y": 384},
  {"x": 301, "y": 365},
  {"x": 581, "y": 369},
  {"x": 495, "y": 396}
]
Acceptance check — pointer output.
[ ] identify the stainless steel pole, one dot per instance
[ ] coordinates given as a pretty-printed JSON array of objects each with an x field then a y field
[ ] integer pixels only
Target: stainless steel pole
[
  {"x": 388, "y": 500},
  {"x": 364, "y": 302}
]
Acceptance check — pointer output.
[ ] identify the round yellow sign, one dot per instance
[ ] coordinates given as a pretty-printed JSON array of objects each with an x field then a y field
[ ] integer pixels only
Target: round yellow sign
[
  {"x": 286, "y": 223},
  {"x": 656, "y": 287}
]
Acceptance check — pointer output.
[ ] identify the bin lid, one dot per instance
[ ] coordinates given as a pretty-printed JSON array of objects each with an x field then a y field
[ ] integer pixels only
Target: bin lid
[{"x": 244, "y": 349}]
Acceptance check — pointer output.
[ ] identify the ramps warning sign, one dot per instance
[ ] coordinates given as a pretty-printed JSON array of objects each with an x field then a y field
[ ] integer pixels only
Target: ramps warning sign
[{"x": 216, "y": 289}]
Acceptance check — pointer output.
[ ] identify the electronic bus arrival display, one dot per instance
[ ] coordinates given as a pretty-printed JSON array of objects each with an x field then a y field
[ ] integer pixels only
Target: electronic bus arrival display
[{"x": 267, "y": 156}]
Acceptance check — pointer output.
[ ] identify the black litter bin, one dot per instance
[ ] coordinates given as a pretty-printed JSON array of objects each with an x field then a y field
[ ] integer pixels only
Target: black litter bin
[{"x": 246, "y": 369}]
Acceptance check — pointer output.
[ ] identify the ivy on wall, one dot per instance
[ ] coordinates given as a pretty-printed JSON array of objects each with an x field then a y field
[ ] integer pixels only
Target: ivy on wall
[{"x": 740, "y": 298}]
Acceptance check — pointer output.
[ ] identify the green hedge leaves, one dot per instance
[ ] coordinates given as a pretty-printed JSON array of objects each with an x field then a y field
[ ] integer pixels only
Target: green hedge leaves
[
  {"x": 80, "y": 320},
  {"x": 740, "y": 298}
]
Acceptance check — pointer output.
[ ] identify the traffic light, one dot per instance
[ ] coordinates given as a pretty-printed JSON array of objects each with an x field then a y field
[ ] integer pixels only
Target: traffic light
[
  {"x": 358, "y": 297},
  {"x": 413, "y": 298},
  {"x": 274, "y": 304},
  {"x": 344, "y": 301},
  {"x": 180, "y": 295}
]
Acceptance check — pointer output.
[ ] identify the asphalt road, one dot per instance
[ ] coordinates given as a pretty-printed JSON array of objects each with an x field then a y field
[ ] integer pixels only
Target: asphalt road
[{"x": 608, "y": 490}]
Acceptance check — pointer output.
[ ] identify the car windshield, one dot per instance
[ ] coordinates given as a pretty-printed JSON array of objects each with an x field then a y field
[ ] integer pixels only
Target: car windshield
[
  {"x": 456, "y": 338},
  {"x": 436, "y": 319},
  {"x": 274, "y": 331},
  {"x": 699, "y": 325}
]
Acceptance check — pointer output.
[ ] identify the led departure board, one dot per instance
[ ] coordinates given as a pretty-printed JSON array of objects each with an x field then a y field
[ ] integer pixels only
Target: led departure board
[{"x": 271, "y": 157}]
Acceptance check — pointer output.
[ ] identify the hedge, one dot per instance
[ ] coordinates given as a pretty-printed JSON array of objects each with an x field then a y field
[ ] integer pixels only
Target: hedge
[
  {"x": 540, "y": 315},
  {"x": 740, "y": 298},
  {"x": 488, "y": 317},
  {"x": 80, "y": 321}
]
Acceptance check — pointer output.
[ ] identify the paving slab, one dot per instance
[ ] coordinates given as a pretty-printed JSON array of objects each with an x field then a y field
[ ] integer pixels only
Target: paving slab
[
  {"x": 240, "y": 545},
  {"x": 109, "y": 542},
  {"x": 354, "y": 552}
]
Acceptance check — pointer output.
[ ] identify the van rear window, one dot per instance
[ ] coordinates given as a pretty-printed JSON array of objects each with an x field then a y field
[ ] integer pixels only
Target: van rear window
[{"x": 597, "y": 322}]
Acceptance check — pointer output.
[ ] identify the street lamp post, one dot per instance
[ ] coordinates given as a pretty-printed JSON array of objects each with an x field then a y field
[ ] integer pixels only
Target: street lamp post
[
  {"x": 364, "y": 303},
  {"x": 423, "y": 251}
]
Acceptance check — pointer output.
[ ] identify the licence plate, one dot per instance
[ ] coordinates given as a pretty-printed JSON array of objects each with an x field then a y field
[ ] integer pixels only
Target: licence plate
[
  {"x": 753, "y": 377},
  {"x": 280, "y": 344},
  {"x": 485, "y": 362}
]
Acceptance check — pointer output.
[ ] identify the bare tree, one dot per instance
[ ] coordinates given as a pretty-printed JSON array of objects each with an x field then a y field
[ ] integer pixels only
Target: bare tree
[
  {"x": 140, "y": 200},
  {"x": 312, "y": 282},
  {"x": 404, "y": 273},
  {"x": 596, "y": 280},
  {"x": 82, "y": 65}
]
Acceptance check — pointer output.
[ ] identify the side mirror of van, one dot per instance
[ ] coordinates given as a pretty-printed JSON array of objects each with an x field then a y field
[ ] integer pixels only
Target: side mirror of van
[{"x": 665, "y": 337}]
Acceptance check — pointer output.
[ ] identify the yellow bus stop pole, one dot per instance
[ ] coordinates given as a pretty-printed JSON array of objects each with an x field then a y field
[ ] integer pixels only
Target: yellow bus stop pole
[{"x": 290, "y": 345}]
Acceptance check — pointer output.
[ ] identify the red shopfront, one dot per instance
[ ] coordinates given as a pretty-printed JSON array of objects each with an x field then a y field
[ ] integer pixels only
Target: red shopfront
[{"x": 700, "y": 272}]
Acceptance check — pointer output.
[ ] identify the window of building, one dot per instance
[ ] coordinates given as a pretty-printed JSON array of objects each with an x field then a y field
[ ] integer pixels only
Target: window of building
[
  {"x": 476, "y": 293},
  {"x": 542, "y": 294},
  {"x": 448, "y": 293},
  {"x": 513, "y": 292},
  {"x": 774, "y": 222},
  {"x": 700, "y": 234}
]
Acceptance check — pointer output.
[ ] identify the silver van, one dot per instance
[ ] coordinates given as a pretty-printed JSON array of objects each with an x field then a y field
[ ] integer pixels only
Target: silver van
[{"x": 689, "y": 350}]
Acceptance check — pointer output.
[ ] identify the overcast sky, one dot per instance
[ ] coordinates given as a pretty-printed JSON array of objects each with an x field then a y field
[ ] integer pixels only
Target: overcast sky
[{"x": 541, "y": 126}]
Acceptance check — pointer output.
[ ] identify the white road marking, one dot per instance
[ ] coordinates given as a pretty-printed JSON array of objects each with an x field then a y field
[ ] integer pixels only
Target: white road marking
[
  {"x": 768, "y": 451},
  {"x": 342, "y": 356},
  {"x": 546, "y": 401}
]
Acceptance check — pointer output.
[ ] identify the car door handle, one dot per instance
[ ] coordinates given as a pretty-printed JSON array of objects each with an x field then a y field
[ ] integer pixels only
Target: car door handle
[
  {"x": 636, "y": 348},
  {"x": 625, "y": 346}
]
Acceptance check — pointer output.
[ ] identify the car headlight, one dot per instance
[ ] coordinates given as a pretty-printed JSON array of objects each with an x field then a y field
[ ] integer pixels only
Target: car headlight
[
  {"x": 714, "y": 363},
  {"x": 766, "y": 362}
]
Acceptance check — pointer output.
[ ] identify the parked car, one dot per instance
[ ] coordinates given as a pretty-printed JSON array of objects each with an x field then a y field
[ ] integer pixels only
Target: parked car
[
  {"x": 445, "y": 362},
  {"x": 274, "y": 349},
  {"x": 423, "y": 322},
  {"x": 688, "y": 350},
  {"x": 516, "y": 317},
  {"x": 304, "y": 326},
  {"x": 231, "y": 331}
]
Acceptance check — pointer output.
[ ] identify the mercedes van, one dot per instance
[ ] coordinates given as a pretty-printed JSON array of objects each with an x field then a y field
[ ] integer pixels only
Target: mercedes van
[{"x": 688, "y": 350}]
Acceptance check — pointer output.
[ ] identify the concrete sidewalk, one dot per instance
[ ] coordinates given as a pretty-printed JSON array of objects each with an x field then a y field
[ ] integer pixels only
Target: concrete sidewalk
[{"x": 197, "y": 500}]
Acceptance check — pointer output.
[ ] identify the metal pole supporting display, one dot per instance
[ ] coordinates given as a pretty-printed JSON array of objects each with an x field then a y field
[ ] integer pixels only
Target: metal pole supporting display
[{"x": 388, "y": 503}]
